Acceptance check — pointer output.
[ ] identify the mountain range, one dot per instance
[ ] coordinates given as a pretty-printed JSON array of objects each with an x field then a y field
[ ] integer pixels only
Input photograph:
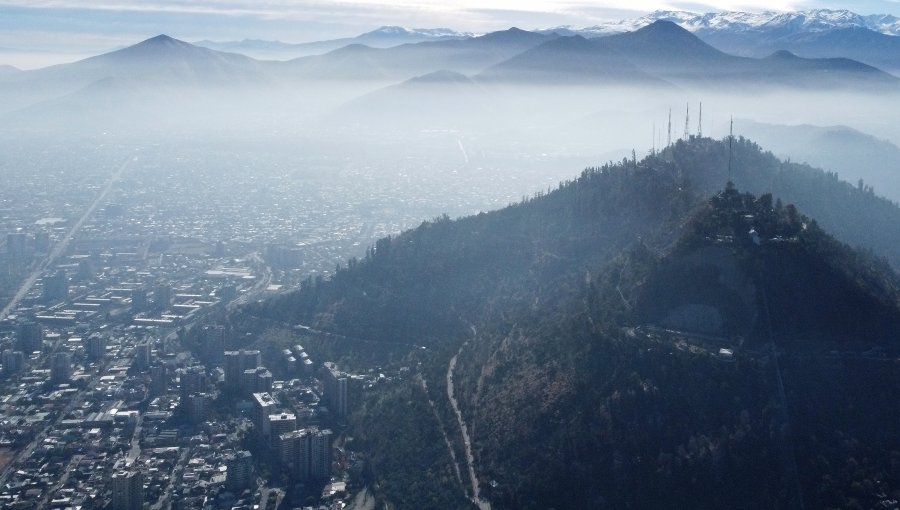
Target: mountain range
[
  {"x": 399, "y": 63},
  {"x": 383, "y": 37},
  {"x": 663, "y": 51},
  {"x": 814, "y": 20},
  {"x": 137, "y": 85},
  {"x": 712, "y": 26},
  {"x": 858, "y": 158},
  {"x": 660, "y": 55},
  {"x": 814, "y": 33}
]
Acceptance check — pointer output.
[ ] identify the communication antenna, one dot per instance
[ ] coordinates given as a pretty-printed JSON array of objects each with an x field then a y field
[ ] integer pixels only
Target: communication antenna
[
  {"x": 700, "y": 122},
  {"x": 653, "y": 146},
  {"x": 730, "y": 140},
  {"x": 669, "y": 139},
  {"x": 687, "y": 121}
]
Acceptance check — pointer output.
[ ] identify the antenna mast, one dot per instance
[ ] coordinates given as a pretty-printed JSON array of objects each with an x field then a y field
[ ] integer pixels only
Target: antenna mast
[
  {"x": 669, "y": 139},
  {"x": 687, "y": 121},
  {"x": 730, "y": 140},
  {"x": 700, "y": 122},
  {"x": 653, "y": 144}
]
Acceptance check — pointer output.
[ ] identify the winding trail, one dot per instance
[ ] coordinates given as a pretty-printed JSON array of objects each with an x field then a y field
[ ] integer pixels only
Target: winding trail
[
  {"x": 467, "y": 443},
  {"x": 437, "y": 417}
]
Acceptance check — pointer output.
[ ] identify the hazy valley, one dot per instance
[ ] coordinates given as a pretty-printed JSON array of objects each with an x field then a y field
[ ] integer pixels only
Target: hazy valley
[{"x": 555, "y": 268}]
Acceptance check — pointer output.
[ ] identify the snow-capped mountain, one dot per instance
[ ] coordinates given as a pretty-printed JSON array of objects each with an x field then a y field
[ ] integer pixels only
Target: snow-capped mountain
[
  {"x": 815, "y": 20},
  {"x": 820, "y": 20},
  {"x": 817, "y": 33},
  {"x": 884, "y": 23},
  {"x": 732, "y": 21},
  {"x": 422, "y": 33}
]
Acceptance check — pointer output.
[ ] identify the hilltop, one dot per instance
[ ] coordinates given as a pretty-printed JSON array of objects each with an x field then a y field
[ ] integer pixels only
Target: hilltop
[
  {"x": 762, "y": 272},
  {"x": 585, "y": 222},
  {"x": 625, "y": 334}
]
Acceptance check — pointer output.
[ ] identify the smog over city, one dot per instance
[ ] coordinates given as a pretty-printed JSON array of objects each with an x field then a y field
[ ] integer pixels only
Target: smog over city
[{"x": 366, "y": 255}]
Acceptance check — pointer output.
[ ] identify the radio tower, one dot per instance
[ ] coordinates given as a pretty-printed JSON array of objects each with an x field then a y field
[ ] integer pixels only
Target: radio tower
[
  {"x": 687, "y": 121},
  {"x": 730, "y": 140},
  {"x": 700, "y": 122},
  {"x": 669, "y": 138}
]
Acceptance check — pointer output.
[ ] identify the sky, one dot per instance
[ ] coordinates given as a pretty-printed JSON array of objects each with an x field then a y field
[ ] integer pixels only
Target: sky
[{"x": 35, "y": 33}]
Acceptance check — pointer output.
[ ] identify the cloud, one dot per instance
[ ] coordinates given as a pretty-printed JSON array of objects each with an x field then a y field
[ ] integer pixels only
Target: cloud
[
  {"x": 697, "y": 5},
  {"x": 462, "y": 14},
  {"x": 303, "y": 9},
  {"x": 265, "y": 9}
]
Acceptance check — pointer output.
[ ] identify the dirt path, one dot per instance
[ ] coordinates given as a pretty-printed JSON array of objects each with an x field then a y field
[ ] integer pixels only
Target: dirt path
[
  {"x": 467, "y": 444},
  {"x": 424, "y": 386}
]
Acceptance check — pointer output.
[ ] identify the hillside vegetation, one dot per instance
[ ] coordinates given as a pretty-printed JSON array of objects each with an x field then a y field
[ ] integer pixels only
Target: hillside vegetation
[
  {"x": 638, "y": 338},
  {"x": 413, "y": 288}
]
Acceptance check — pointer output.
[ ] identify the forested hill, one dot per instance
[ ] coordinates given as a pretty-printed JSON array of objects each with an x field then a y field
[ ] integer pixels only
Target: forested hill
[
  {"x": 854, "y": 214},
  {"x": 414, "y": 287},
  {"x": 760, "y": 271},
  {"x": 615, "y": 341},
  {"x": 662, "y": 380},
  {"x": 420, "y": 286}
]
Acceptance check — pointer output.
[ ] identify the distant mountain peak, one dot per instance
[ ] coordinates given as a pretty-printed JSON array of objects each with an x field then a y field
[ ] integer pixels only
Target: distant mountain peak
[
  {"x": 668, "y": 32},
  {"x": 157, "y": 44},
  {"x": 660, "y": 45},
  {"x": 160, "y": 48},
  {"x": 441, "y": 77},
  {"x": 665, "y": 26},
  {"x": 670, "y": 15},
  {"x": 421, "y": 33},
  {"x": 511, "y": 34},
  {"x": 783, "y": 55},
  {"x": 162, "y": 39},
  {"x": 816, "y": 20},
  {"x": 389, "y": 29},
  {"x": 511, "y": 31}
]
